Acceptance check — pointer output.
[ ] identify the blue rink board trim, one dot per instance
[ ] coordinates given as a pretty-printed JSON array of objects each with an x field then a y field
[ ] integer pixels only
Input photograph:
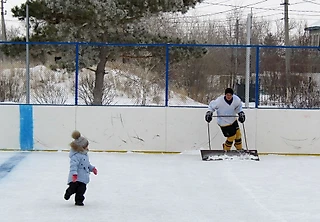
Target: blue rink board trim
[
  {"x": 13, "y": 161},
  {"x": 26, "y": 127}
]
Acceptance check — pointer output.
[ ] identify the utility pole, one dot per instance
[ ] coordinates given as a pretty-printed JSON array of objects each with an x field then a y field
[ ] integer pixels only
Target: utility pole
[
  {"x": 3, "y": 24},
  {"x": 234, "y": 54},
  {"x": 236, "y": 57},
  {"x": 231, "y": 58},
  {"x": 286, "y": 40},
  {"x": 248, "y": 60}
]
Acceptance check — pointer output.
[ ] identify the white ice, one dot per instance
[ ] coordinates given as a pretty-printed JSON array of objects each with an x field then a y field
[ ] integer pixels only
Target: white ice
[{"x": 163, "y": 188}]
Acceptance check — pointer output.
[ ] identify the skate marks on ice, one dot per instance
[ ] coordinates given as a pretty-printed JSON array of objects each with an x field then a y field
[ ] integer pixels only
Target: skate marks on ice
[
  {"x": 251, "y": 202},
  {"x": 9, "y": 164}
]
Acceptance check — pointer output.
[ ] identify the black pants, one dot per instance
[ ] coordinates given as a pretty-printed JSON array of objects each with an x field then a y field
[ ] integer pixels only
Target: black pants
[
  {"x": 230, "y": 130},
  {"x": 77, "y": 188}
]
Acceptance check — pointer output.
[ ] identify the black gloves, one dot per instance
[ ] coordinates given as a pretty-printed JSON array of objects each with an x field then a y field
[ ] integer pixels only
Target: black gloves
[
  {"x": 242, "y": 117},
  {"x": 208, "y": 116}
]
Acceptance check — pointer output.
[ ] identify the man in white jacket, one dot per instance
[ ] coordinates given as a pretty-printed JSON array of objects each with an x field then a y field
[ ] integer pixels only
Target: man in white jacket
[{"x": 227, "y": 107}]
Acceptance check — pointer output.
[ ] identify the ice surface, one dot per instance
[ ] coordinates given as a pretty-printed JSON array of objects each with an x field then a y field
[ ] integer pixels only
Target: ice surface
[{"x": 163, "y": 188}]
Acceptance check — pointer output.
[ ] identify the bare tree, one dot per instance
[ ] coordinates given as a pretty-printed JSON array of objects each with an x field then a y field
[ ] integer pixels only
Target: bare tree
[
  {"x": 86, "y": 88},
  {"x": 12, "y": 88},
  {"x": 139, "y": 81},
  {"x": 47, "y": 89}
]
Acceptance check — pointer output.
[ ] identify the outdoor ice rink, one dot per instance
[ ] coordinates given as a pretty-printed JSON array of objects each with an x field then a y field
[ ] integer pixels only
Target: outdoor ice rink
[{"x": 165, "y": 188}]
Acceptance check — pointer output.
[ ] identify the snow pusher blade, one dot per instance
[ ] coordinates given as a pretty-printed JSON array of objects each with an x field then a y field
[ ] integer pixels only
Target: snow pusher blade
[{"x": 208, "y": 155}]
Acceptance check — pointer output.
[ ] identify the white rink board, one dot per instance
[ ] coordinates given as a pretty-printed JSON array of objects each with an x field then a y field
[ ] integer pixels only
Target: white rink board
[
  {"x": 288, "y": 131},
  {"x": 10, "y": 126},
  {"x": 161, "y": 129},
  {"x": 51, "y": 125},
  {"x": 122, "y": 128}
]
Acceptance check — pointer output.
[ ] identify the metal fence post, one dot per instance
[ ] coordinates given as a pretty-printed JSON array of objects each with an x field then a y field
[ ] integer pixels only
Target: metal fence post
[
  {"x": 167, "y": 75},
  {"x": 76, "y": 82},
  {"x": 257, "y": 76},
  {"x": 27, "y": 55}
]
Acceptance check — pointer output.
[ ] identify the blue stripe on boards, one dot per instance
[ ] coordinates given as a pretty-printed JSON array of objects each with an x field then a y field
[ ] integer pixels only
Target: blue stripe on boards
[
  {"x": 13, "y": 161},
  {"x": 26, "y": 127}
]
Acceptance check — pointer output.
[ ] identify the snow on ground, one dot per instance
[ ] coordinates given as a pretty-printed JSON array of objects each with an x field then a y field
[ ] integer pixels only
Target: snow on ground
[
  {"x": 57, "y": 87},
  {"x": 161, "y": 188}
]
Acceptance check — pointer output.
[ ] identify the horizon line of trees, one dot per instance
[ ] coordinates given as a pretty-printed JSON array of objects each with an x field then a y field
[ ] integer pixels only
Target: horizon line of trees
[{"x": 201, "y": 73}]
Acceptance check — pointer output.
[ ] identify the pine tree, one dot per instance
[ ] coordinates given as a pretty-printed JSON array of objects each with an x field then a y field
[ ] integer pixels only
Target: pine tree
[{"x": 106, "y": 21}]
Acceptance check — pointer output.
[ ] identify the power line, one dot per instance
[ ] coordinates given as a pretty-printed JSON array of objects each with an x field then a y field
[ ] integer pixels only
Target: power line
[
  {"x": 210, "y": 3},
  {"x": 278, "y": 8},
  {"x": 221, "y": 12},
  {"x": 311, "y": 1},
  {"x": 267, "y": 9}
]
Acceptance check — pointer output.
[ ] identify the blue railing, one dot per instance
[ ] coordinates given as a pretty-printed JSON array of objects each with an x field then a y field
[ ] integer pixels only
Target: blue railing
[{"x": 259, "y": 74}]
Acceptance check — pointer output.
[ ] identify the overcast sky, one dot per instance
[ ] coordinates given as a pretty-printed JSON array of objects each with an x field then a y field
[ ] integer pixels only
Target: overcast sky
[{"x": 301, "y": 10}]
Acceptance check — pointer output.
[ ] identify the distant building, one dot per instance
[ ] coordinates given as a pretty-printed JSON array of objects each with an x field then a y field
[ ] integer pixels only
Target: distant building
[{"x": 314, "y": 33}]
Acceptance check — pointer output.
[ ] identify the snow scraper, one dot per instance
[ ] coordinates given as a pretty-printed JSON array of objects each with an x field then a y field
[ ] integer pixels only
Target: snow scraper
[
  {"x": 207, "y": 155},
  {"x": 246, "y": 154}
]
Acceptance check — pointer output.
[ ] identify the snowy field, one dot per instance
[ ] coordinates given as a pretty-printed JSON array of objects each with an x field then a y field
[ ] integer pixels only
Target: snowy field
[{"x": 165, "y": 188}]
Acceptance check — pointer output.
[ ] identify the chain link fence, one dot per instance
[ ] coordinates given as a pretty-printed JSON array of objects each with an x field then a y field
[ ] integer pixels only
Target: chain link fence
[{"x": 66, "y": 73}]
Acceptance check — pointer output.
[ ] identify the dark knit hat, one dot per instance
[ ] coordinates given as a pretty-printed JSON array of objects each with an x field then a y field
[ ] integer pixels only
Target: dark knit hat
[{"x": 228, "y": 90}]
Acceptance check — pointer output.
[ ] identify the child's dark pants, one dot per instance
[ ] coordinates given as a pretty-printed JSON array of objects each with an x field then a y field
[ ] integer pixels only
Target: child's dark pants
[{"x": 77, "y": 188}]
